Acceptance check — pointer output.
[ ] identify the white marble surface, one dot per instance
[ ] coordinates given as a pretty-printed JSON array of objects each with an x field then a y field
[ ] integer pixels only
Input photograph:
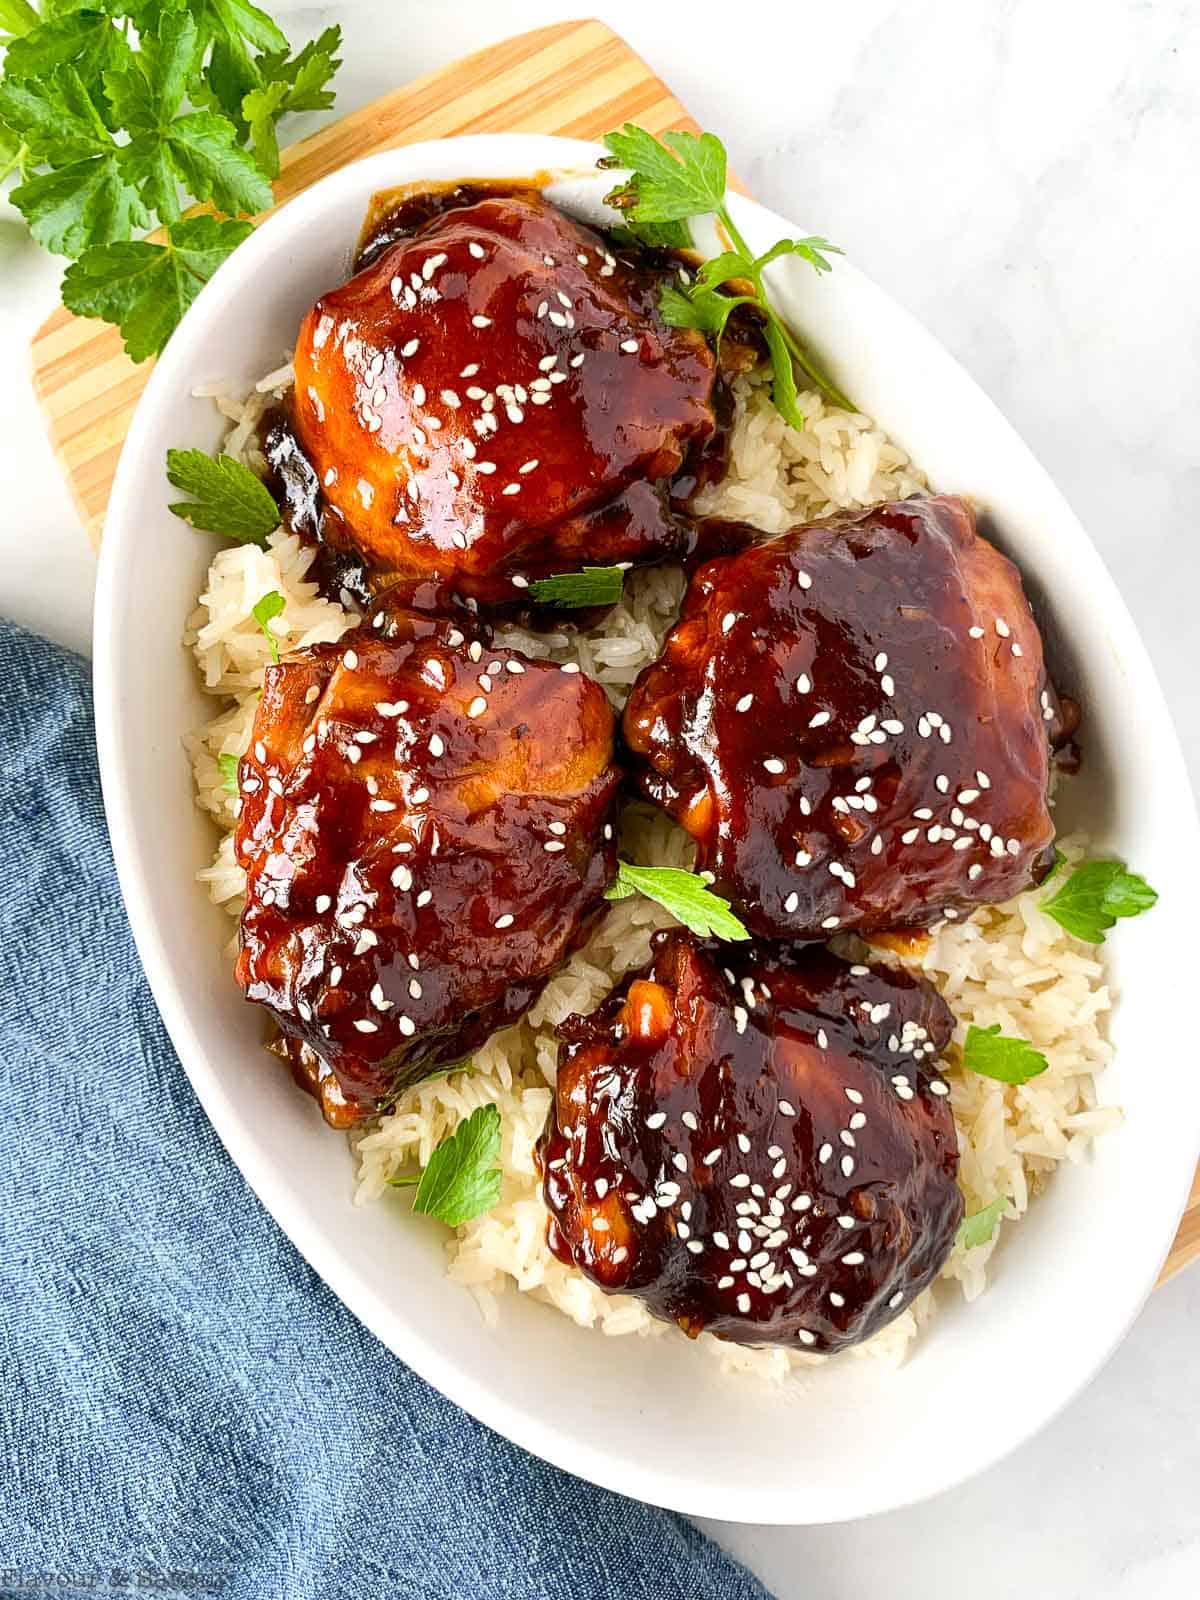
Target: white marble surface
[{"x": 1017, "y": 173}]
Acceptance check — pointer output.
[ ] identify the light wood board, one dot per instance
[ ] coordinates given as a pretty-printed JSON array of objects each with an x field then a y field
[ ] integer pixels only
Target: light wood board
[{"x": 576, "y": 78}]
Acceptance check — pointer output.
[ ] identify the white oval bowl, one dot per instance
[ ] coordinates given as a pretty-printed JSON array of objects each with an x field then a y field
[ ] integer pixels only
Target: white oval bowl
[{"x": 654, "y": 1418}]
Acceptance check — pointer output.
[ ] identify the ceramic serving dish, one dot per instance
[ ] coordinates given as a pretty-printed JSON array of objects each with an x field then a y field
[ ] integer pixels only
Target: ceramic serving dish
[{"x": 655, "y": 1418}]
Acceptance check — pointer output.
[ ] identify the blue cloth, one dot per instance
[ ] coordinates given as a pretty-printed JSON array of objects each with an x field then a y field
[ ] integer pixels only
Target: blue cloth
[{"x": 186, "y": 1408}]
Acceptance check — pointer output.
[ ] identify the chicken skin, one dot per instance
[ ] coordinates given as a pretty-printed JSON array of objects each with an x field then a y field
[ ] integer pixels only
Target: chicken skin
[
  {"x": 495, "y": 398},
  {"x": 427, "y": 830},
  {"x": 754, "y": 1141},
  {"x": 854, "y": 722}
]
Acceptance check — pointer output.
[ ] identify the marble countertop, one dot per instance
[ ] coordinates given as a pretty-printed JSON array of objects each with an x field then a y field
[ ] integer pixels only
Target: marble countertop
[{"x": 1012, "y": 173}]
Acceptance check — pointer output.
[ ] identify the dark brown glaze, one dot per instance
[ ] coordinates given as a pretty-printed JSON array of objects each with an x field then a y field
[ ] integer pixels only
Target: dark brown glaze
[
  {"x": 854, "y": 722},
  {"x": 754, "y": 1141},
  {"x": 427, "y": 830},
  {"x": 496, "y": 397}
]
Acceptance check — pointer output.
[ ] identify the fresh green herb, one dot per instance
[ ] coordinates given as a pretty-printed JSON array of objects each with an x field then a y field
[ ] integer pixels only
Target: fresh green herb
[
  {"x": 269, "y": 606},
  {"x": 978, "y": 1228},
  {"x": 593, "y": 586},
  {"x": 227, "y": 497},
  {"x": 684, "y": 894},
  {"x": 684, "y": 175},
  {"x": 119, "y": 113},
  {"x": 145, "y": 288},
  {"x": 1095, "y": 895},
  {"x": 462, "y": 1179},
  {"x": 996, "y": 1055},
  {"x": 229, "y": 772}
]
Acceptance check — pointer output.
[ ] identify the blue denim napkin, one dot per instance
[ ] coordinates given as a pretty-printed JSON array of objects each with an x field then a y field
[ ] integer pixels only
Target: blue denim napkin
[{"x": 186, "y": 1408}]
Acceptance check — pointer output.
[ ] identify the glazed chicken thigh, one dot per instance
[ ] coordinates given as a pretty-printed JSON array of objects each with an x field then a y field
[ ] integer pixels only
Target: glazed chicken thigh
[
  {"x": 854, "y": 722},
  {"x": 755, "y": 1142},
  {"x": 427, "y": 830},
  {"x": 497, "y": 398}
]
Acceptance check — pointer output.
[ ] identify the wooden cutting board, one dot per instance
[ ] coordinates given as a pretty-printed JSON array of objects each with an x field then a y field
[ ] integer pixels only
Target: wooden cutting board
[{"x": 576, "y": 78}]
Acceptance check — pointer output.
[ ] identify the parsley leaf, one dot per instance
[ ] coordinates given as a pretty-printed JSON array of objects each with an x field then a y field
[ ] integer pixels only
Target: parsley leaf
[
  {"x": 16, "y": 18},
  {"x": 197, "y": 147},
  {"x": 289, "y": 84},
  {"x": 684, "y": 894},
  {"x": 90, "y": 43},
  {"x": 87, "y": 198},
  {"x": 1095, "y": 895},
  {"x": 462, "y": 1179},
  {"x": 269, "y": 606},
  {"x": 683, "y": 175},
  {"x": 227, "y": 497},
  {"x": 145, "y": 288},
  {"x": 995, "y": 1055},
  {"x": 978, "y": 1228},
  {"x": 229, "y": 772},
  {"x": 593, "y": 586},
  {"x": 654, "y": 235},
  {"x": 116, "y": 113},
  {"x": 14, "y": 153}
]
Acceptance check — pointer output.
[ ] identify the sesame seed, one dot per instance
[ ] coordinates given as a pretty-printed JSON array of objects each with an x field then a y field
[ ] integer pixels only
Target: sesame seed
[
  {"x": 481, "y": 322},
  {"x": 476, "y": 250},
  {"x": 363, "y": 1026},
  {"x": 743, "y": 1304},
  {"x": 655, "y": 1120},
  {"x": 830, "y": 922},
  {"x": 477, "y": 707},
  {"x": 773, "y": 765},
  {"x": 744, "y": 703},
  {"x": 854, "y": 1258},
  {"x": 552, "y": 845},
  {"x": 630, "y": 346},
  {"x": 406, "y": 1024},
  {"x": 728, "y": 620},
  {"x": 425, "y": 896},
  {"x": 504, "y": 921}
]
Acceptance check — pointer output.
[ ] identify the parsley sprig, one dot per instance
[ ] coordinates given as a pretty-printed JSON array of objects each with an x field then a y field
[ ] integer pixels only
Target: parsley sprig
[
  {"x": 997, "y": 1055},
  {"x": 684, "y": 894},
  {"x": 1095, "y": 896},
  {"x": 592, "y": 586},
  {"x": 462, "y": 1179},
  {"x": 112, "y": 131},
  {"x": 271, "y": 604},
  {"x": 227, "y": 498},
  {"x": 981, "y": 1225},
  {"x": 683, "y": 175}
]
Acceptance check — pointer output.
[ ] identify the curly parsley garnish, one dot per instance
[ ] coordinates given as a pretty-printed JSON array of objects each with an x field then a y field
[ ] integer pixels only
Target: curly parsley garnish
[
  {"x": 462, "y": 1179},
  {"x": 117, "y": 114},
  {"x": 684, "y": 894},
  {"x": 1095, "y": 895},
  {"x": 978, "y": 1228},
  {"x": 996, "y": 1055},
  {"x": 226, "y": 496},
  {"x": 683, "y": 175},
  {"x": 269, "y": 606},
  {"x": 593, "y": 586}
]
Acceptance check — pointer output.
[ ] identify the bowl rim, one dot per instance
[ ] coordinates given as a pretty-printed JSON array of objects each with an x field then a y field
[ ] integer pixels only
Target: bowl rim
[{"x": 657, "y": 1483}]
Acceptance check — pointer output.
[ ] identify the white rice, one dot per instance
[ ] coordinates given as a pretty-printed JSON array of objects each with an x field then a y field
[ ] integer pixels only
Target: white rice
[{"x": 1010, "y": 964}]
